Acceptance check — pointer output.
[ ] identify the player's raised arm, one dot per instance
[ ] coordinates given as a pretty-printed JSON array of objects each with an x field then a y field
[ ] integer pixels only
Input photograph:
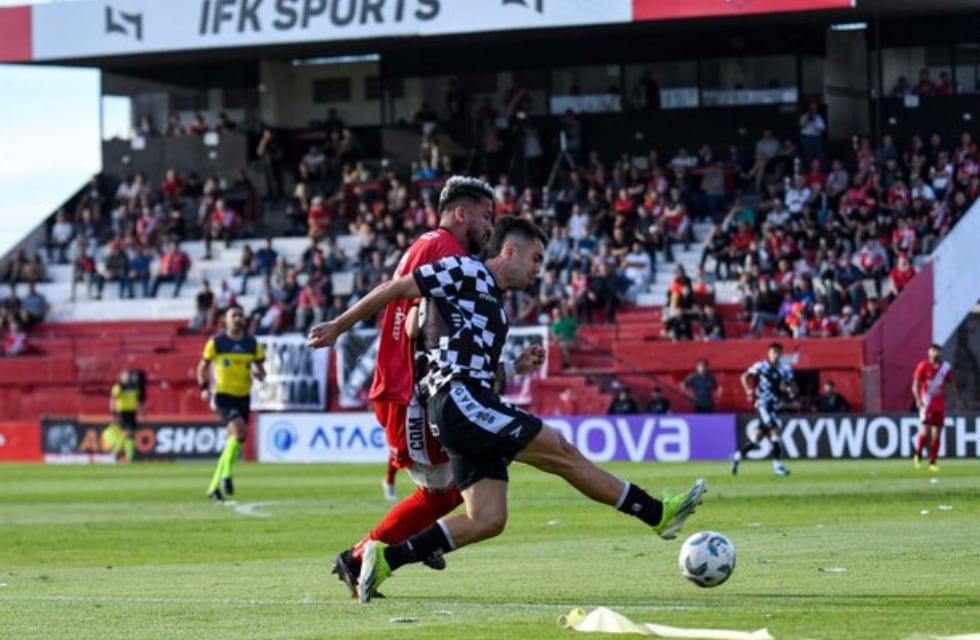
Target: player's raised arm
[{"x": 326, "y": 333}]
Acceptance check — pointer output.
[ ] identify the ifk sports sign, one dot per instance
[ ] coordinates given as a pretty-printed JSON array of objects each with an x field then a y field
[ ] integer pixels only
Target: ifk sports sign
[
  {"x": 126, "y": 27},
  {"x": 85, "y": 29},
  {"x": 863, "y": 436},
  {"x": 69, "y": 440}
]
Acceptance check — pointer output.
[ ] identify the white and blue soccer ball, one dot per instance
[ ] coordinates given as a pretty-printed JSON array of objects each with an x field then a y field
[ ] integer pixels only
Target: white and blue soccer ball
[{"x": 707, "y": 558}]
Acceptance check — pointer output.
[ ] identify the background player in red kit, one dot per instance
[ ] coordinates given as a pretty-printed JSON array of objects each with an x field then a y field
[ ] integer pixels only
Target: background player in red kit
[
  {"x": 465, "y": 227},
  {"x": 929, "y": 388}
]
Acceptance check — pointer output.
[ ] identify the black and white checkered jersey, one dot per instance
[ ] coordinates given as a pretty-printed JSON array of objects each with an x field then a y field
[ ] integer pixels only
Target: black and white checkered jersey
[
  {"x": 769, "y": 382},
  {"x": 462, "y": 323}
]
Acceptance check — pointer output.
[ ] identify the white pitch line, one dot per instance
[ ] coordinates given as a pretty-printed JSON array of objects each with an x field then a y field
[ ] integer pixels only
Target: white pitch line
[{"x": 312, "y": 602}]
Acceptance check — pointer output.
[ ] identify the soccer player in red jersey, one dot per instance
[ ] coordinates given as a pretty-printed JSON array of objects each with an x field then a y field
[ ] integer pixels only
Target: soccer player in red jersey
[
  {"x": 929, "y": 388},
  {"x": 465, "y": 226}
]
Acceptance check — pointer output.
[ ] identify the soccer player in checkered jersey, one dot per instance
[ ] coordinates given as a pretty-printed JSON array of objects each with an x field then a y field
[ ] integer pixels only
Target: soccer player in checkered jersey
[
  {"x": 463, "y": 334},
  {"x": 766, "y": 383},
  {"x": 465, "y": 225},
  {"x": 929, "y": 388}
]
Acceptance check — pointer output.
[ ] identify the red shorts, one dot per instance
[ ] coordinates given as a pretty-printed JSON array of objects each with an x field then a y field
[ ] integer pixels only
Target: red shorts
[
  {"x": 409, "y": 440},
  {"x": 933, "y": 417}
]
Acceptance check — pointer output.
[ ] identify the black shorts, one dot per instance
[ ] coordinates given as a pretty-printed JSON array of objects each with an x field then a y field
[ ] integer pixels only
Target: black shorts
[
  {"x": 480, "y": 433},
  {"x": 769, "y": 417},
  {"x": 127, "y": 420},
  {"x": 232, "y": 407}
]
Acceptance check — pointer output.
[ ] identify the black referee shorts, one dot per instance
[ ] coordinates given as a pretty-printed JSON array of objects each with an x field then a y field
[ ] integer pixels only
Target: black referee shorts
[
  {"x": 480, "y": 433},
  {"x": 232, "y": 407}
]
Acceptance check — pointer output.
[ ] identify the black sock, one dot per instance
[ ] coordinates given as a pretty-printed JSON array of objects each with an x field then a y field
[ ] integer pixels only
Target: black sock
[
  {"x": 418, "y": 547},
  {"x": 638, "y": 503},
  {"x": 748, "y": 447},
  {"x": 777, "y": 450}
]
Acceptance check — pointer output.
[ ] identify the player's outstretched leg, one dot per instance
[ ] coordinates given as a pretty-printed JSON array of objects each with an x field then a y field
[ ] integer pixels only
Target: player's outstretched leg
[{"x": 550, "y": 452}]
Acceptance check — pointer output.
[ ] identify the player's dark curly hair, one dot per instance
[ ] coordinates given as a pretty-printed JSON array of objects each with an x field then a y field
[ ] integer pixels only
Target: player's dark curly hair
[
  {"x": 463, "y": 187},
  {"x": 510, "y": 226}
]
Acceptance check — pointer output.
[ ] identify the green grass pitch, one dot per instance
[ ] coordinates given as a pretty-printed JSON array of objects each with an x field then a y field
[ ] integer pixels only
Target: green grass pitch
[{"x": 138, "y": 552}]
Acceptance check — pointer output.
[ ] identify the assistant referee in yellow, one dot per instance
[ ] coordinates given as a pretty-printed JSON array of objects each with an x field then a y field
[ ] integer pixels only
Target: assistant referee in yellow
[
  {"x": 124, "y": 402},
  {"x": 234, "y": 358}
]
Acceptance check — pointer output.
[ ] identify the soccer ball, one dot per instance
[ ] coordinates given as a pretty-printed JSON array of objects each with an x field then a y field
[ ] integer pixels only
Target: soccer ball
[{"x": 707, "y": 559}]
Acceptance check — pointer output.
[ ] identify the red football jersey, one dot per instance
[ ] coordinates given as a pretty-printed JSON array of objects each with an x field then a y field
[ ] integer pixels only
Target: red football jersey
[
  {"x": 393, "y": 376},
  {"x": 931, "y": 390}
]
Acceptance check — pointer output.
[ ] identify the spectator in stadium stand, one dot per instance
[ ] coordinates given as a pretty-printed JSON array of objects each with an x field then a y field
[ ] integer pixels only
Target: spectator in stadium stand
[
  {"x": 172, "y": 188},
  {"x": 901, "y": 275},
  {"x": 62, "y": 233},
  {"x": 174, "y": 127},
  {"x": 246, "y": 268},
  {"x": 551, "y": 294},
  {"x": 658, "y": 405},
  {"x": 224, "y": 298},
  {"x": 622, "y": 403},
  {"x": 16, "y": 341},
  {"x": 564, "y": 331},
  {"x": 647, "y": 92},
  {"x": 310, "y": 306},
  {"x": 15, "y": 269},
  {"x": 925, "y": 87},
  {"x": 848, "y": 283},
  {"x": 224, "y": 224},
  {"x": 872, "y": 312},
  {"x": 821, "y": 325},
  {"x": 712, "y": 326},
  {"x": 83, "y": 270},
  {"x": 320, "y": 219},
  {"x": 838, "y": 182},
  {"x": 115, "y": 268},
  {"x": 225, "y": 124},
  {"x": 716, "y": 247},
  {"x": 271, "y": 156},
  {"x": 637, "y": 270},
  {"x": 197, "y": 127},
  {"x": 797, "y": 195},
  {"x": 337, "y": 306},
  {"x": 901, "y": 88},
  {"x": 149, "y": 228},
  {"x": 829, "y": 401},
  {"x": 266, "y": 319},
  {"x": 872, "y": 260},
  {"x": 849, "y": 322},
  {"x": 174, "y": 266},
  {"x": 681, "y": 314},
  {"x": 205, "y": 309},
  {"x": 175, "y": 227},
  {"x": 812, "y": 130},
  {"x": 33, "y": 306},
  {"x": 139, "y": 271},
  {"x": 701, "y": 383},
  {"x": 602, "y": 293}
]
